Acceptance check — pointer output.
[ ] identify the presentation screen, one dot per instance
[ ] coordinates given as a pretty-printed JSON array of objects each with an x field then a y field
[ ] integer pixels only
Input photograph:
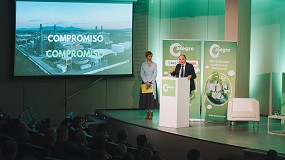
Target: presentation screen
[{"x": 73, "y": 38}]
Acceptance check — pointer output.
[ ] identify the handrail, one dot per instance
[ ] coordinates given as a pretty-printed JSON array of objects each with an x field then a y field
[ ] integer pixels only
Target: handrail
[{"x": 82, "y": 89}]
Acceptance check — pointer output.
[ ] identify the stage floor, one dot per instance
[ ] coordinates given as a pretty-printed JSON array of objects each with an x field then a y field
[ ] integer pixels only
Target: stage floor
[{"x": 242, "y": 134}]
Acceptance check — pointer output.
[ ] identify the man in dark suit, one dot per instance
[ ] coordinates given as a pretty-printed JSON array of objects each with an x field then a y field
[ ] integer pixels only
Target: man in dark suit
[{"x": 184, "y": 69}]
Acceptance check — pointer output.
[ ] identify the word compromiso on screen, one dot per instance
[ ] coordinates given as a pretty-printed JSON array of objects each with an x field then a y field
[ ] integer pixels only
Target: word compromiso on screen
[{"x": 73, "y": 38}]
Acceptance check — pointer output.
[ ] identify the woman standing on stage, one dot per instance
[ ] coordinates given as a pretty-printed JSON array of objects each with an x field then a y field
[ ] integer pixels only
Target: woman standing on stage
[{"x": 148, "y": 74}]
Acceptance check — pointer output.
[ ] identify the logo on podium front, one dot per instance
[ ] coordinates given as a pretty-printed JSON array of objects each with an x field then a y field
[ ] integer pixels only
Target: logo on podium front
[{"x": 168, "y": 87}]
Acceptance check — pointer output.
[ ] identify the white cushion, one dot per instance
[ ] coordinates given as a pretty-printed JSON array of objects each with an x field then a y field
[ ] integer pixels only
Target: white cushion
[
  {"x": 243, "y": 104},
  {"x": 243, "y": 115}
]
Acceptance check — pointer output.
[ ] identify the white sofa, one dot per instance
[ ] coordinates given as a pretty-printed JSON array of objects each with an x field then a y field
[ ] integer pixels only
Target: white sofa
[{"x": 243, "y": 109}]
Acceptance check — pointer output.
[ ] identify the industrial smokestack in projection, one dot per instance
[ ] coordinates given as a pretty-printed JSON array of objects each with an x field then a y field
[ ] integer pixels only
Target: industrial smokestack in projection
[
  {"x": 54, "y": 33},
  {"x": 41, "y": 40}
]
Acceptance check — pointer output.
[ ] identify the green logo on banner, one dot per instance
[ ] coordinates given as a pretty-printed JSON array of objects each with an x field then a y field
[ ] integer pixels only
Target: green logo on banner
[{"x": 168, "y": 87}]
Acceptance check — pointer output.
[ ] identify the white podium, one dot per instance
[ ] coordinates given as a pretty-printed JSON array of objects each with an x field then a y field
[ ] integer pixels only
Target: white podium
[{"x": 174, "y": 102}]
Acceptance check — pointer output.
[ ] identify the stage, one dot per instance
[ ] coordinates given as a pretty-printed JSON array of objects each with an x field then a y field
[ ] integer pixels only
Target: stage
[{"x": 213, "y": 139}]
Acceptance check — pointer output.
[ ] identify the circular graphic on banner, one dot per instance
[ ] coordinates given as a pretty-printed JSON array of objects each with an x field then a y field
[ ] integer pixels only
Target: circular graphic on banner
[
  {"x": 218, "y": 89},
  {"x": 209, "y": 106}
]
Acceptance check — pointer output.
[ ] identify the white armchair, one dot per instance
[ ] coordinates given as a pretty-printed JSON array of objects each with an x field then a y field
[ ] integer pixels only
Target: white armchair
[{"x": 243, "y": 109}]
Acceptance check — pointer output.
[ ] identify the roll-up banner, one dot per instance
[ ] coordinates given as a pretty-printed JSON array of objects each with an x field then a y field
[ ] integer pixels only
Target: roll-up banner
[
  {"x": 219, "y": 76},
  {"x": 172, "y": 48}
]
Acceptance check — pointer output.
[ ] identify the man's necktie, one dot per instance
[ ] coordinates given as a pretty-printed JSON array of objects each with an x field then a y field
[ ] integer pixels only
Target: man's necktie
[{"x": 182, "y": 70}]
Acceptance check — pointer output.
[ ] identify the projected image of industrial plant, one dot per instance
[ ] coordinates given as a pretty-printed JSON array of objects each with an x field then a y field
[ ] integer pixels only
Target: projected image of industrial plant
[{"x": 54, "y": 50}]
